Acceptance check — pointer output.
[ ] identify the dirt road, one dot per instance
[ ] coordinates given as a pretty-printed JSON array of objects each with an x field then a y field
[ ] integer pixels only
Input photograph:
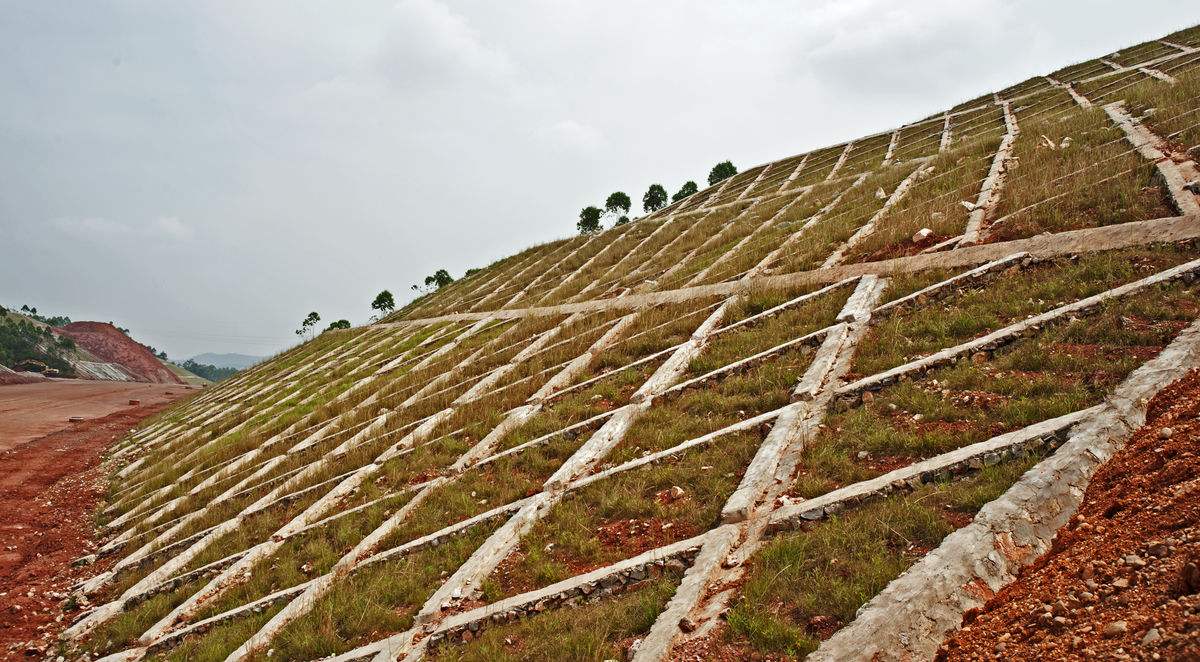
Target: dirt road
[
  {"x": 49, "y": 488},
  {"x": 29, "y": 411}
]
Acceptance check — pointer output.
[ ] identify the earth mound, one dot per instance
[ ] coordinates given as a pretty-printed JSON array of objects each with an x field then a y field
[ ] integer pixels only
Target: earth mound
[{"x": 108, "y": 343}]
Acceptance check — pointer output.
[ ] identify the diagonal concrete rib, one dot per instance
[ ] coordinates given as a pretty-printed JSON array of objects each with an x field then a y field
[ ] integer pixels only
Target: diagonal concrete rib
[
  {"x": 1012, "y": 332},
  {"x": 111, "y": 609},
  {"x": 501, "y": 543},
  {"x": 841, "y": 161},
  {"x": 891, "y": 149},
  {"x": 1175, "y": 175},
  {"x": 867, "y": 228},
  {"x": 1007, "y": 534},
  {"x": 769, "y": 472},
  {"x": 762, "y": 227},
  {"x": 855, "y": 303},
  {"x": 356, "y": 556},
  {"x": 763, "y": 265},
  {"x": 989, "y": 192},
  {"x": 231, "y": 575}
]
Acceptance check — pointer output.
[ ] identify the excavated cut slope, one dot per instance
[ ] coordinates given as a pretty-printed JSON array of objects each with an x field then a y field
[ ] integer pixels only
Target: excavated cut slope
[{"x": 821, "y": 408}]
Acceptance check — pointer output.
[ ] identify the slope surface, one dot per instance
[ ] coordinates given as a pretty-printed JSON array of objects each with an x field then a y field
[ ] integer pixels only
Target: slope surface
[{"x": 788, "y": 415}]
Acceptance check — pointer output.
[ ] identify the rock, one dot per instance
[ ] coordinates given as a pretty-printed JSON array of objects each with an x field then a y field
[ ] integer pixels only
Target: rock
[
  {"x": 880, "y": 194},
  {"x": 1120, "y": 582},
  {"x": 1189, "y": 578},
  {"x": 1151, "y": 636},
  {"x": 918, "y": 417},
  {"x": 1193, "y": 186},
  {"x": 1116, "y": 629},
  {"x": 1135, "y": 561},
  {"x": 862, "y": 455},
  {"x": 687, "y": 625},
  {"x": 677, "y": 492},
  {"x": 1165, "y": 433},
  {"x": 922, "y": 235},
  {"x": 969, "y": 206}
]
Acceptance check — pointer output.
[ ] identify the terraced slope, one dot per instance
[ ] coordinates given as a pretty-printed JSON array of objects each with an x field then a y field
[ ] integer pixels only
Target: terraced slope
[{"x": 824, "y": 406}]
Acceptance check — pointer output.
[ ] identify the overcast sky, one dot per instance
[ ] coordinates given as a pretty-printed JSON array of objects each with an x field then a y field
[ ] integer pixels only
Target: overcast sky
[{"x": 207, "y": 173}]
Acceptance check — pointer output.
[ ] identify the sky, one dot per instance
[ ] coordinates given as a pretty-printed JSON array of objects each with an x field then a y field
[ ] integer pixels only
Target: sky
[{"x": 207, "y": 173}]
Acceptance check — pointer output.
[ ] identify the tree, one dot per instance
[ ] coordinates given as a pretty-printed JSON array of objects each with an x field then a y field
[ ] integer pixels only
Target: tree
[
  {"x": 722, "y": 171},
  {"x": 618, "y": 204},
  {"x": 689, "y": 187},
  {"x": 308, "y": 323},
  {"x": 621, "y": 221},
  {"x": 384, "y": 303},
  {"x": 437, "y": 281},
  {"x": 589, "y": 220},
  {"x": 340, "y": 324},
  {"x": 655, "y": 198}
]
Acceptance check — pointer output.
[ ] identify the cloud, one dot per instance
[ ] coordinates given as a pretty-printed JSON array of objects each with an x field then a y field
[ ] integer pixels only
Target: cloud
[
  {"x": 93, "y": 226},
  {"x": 172, "y": 228},
  {"x": 572, "y": 135},
  {"x": 430, "y": 46}
]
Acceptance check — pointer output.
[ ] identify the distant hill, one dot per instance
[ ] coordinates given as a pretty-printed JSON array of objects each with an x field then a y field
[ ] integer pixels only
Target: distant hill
[{"x": 238, "y": 361}]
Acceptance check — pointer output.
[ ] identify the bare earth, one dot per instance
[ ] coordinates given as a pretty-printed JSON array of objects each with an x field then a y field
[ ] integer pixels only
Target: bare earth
[
  {"x": 49, "y": 488},
  {"x": 30, "y": 411}
]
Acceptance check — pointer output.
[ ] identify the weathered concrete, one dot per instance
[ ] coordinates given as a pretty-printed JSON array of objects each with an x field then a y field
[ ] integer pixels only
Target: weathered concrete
[
  {"x": 1048, "y": 434},
  {"x": 794, "y": 427},
  {"x": 989, "y": 192},
  {"x": 910, "y": 618},
  {"x": 867, "y": 228},
  {"x": 841, "y": 161},
  {"x": 1154, "y": 149},
  {"x": 1138, "y": 233},
  {"x": 1001, "y": 337}
]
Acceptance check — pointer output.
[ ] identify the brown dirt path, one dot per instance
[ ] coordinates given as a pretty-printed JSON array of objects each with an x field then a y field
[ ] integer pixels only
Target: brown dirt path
[
  {"x": 29, "y": 411},
  {"x": 49, "y": 489},
  {"x": 1123, "y": 578}
]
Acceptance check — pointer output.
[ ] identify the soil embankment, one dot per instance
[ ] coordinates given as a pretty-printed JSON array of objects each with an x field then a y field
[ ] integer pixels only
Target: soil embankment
[
  {"x": 1123, "y": 578},
  {"x": 106, "y": 342},
  {"x": 49, "y": 490}
]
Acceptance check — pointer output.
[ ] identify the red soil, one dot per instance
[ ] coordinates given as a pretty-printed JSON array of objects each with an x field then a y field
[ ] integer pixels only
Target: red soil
[
  {"x": 29, "y": 411},
  {"x": 109, "y": 344},
  {"x": 8, "y": 377},
  {"x": 49, "y": 489},
  {"x": 1123, "y": 578}
]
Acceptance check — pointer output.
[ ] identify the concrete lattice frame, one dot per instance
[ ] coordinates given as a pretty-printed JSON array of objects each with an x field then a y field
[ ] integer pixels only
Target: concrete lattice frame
[{"x": 717, "y": 556}]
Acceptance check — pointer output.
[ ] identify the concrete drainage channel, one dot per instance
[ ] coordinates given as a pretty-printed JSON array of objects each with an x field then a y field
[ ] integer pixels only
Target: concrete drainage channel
[{"x": 910, "y": 618}]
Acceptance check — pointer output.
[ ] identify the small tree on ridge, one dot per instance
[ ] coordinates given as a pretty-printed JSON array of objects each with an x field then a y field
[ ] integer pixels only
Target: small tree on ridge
[
  {"x": 589, "y": 220},
  {"x": 689, "y": 187},
  {"x": 722, "y": 171},
  {"x": 384, "y": 303},
  {"x": 655, "y": 198}
]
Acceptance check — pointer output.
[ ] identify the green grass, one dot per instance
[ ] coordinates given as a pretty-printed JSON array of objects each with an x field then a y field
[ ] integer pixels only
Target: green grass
[
  {"x": 598, "y": 631},
  {"x": 834, "y": 567}
]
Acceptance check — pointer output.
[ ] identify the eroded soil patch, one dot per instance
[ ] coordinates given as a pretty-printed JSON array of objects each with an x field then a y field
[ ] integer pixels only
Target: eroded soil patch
[{"x": 1122, "y": 580}]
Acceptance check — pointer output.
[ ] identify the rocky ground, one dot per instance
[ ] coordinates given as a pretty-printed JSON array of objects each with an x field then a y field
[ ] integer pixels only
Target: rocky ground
[{"x": 1123, "y": 578}]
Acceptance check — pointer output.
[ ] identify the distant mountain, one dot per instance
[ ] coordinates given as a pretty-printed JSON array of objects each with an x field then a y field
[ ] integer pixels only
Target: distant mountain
[{"x": 238, "y": 361}]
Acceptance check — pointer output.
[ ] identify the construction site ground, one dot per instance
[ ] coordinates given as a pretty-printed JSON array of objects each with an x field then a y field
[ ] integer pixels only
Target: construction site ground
[
  {"x": 30, "y": 411},
  {"x": 49, "y": 488}
]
